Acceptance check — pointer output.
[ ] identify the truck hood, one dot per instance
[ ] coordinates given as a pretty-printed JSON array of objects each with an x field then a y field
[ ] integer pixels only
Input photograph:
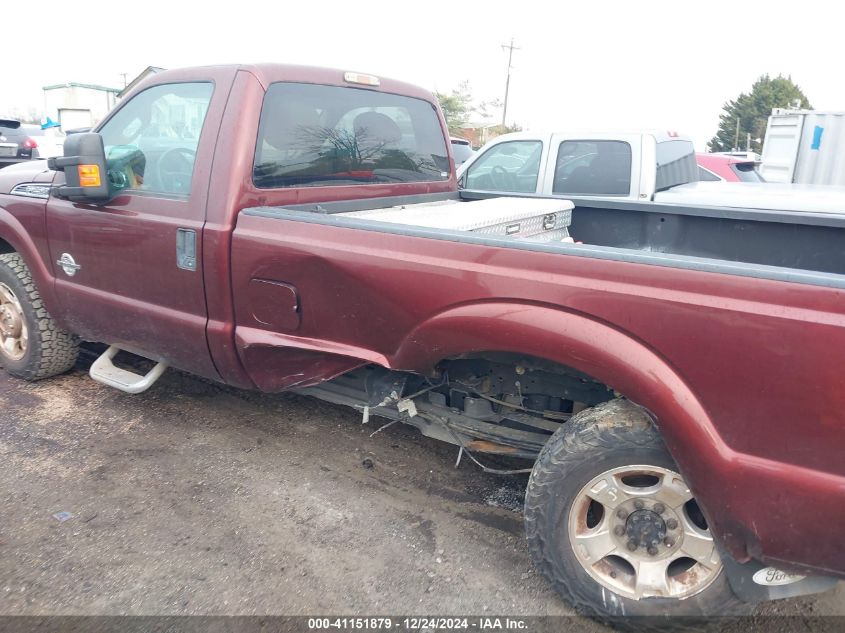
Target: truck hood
[
  {"x": 758, "y": 195},
  {"x": 28, "y": 171}
]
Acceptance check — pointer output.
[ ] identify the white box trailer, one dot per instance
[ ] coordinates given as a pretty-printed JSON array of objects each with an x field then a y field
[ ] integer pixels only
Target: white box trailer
[{"x": 804, "y": 147}]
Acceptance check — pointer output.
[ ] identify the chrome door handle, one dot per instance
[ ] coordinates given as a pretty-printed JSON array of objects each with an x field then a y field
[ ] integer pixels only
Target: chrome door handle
[{"x": 68, "y": 264}]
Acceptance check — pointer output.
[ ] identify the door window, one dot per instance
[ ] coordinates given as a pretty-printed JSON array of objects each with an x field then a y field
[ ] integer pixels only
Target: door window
[
  {"x": 593, "y": 168},
  {"x": 151, "y": 142},
  {"x": 510, "y": 166}
]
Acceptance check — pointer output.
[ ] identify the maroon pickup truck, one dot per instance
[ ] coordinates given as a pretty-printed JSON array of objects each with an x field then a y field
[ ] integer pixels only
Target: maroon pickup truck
[{"x": 672, "y": 373}]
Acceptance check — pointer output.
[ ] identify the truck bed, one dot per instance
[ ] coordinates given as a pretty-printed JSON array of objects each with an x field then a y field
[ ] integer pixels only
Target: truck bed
[
  {"x": 726, "y": 324},
  {"x": 791, "y": 246}
]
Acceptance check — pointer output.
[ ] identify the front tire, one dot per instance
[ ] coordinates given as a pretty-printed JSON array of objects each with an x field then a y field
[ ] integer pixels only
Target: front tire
[
  {"x": 32, "y": 346},
  {"x": 613, "y": 527}
]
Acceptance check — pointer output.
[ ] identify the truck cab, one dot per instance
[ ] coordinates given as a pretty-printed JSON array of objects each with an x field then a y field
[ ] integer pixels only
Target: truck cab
[
  {"x": 617, "y": 166},
  {"x": 182, "y": 154},
  {"x": 595, "y": 164}
]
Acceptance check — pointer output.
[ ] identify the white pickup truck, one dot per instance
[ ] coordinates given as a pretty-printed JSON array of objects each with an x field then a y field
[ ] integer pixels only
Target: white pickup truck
[{"x": 654, "y": 166}]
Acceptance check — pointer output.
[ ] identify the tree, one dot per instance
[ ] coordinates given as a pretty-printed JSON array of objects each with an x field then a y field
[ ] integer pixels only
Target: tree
[
  {"x": 30, "y": 115},
  {"x": 513, "y": 127},
  {"x": 749, "y": 113},
  {"x": 457, "y": 106}
]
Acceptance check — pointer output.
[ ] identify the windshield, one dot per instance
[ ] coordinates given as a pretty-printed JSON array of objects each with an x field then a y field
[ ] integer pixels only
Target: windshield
[{"x": 313, "y": 135}]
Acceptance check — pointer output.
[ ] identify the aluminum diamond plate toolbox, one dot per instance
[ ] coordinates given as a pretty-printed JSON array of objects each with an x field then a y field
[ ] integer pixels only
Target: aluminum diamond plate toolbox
[{"x": 521, "y": 218}]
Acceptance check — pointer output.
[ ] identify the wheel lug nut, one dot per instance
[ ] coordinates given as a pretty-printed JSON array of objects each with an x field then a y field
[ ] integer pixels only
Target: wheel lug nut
[
  {"x": 621, "y": 513},
  {"x": 638, "y": 504},
  {"x": 659, "y": 508},
  {"x": 632, "y": 546},
  {"x": 668, "y": 542},
  {"x": 652, "y": 551},
  {"x": 619, "y": 530},
  {"x": 671, "y": 524}
]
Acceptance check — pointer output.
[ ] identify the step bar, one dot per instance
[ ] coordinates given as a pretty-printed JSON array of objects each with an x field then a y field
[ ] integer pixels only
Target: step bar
[{"x": 104, "y": 371}]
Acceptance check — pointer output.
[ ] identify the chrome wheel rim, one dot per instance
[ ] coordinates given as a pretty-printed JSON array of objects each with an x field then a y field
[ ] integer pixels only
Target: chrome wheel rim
[
  {"x": 637, "y": 531},
  {"x": 14, "y": 334}
]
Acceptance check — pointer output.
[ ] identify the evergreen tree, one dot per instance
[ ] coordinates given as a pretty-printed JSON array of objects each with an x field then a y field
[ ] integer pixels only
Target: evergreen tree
[{"x": 749, "y": 113}]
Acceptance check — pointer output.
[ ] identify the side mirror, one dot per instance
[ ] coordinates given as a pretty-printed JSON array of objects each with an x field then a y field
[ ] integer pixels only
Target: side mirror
[{"x": 84, "y": 165}]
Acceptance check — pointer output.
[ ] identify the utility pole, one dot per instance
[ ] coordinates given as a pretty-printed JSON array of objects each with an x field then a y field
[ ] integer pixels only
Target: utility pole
[
  {"x": 124, "y": 79},
  {"x": 736, "y": 140},
  {"x": 510, "y": 48}
]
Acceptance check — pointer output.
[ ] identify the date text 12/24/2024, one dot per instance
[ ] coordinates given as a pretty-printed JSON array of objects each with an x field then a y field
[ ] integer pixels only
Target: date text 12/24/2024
[{"x": 416, "y": 623}]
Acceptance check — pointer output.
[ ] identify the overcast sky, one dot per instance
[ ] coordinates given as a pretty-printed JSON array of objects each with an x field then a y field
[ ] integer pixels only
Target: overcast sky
[{"x": 598, "y": 64}]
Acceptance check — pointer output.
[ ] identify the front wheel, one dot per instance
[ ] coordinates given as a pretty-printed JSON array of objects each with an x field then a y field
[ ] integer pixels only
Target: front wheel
[
  {"x": 613, "y": 526},
  {"x": 32, "y": 346}
]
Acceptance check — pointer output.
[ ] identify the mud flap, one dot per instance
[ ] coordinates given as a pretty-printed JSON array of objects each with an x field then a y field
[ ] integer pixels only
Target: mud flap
[{"x": 755, "y": 582}]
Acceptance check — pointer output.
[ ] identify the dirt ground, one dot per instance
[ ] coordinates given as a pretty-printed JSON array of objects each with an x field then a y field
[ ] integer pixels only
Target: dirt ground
[{"x": 199, "y": 499}]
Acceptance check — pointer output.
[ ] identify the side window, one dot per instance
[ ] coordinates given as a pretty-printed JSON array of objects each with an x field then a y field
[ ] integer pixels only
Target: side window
[
  {"x": 151, "y": 142},
  {"x": 593, "y": 168},
  {"x": 706, "y": 175},
  {"x": 511, "y": 166}
]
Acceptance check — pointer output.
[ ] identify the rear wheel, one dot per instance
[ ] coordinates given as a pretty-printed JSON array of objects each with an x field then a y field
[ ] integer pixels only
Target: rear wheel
[
  {"x": 32, "y": 346},
  {"x": 613, "y": 526}
]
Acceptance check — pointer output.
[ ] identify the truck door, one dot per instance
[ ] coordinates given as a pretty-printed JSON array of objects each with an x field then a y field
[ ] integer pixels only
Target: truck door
[
  {"x": 510, "y": 165},
  {"x": 129, "y": 273}
]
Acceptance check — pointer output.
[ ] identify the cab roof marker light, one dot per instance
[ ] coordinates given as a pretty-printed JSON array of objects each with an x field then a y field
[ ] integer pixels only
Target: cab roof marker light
[{"x": 360, "y": 78}]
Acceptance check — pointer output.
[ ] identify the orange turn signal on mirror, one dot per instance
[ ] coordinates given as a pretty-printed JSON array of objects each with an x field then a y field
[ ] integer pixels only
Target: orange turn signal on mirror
[{"x": 89, "y": 175}]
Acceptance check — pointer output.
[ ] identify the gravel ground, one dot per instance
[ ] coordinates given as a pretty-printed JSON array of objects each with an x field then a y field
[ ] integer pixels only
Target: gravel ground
[{"x": 199, "y": 499}]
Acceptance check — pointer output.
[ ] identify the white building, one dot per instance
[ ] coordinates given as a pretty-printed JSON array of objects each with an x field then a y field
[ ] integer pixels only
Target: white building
[{"x": 76, "y": 105}]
